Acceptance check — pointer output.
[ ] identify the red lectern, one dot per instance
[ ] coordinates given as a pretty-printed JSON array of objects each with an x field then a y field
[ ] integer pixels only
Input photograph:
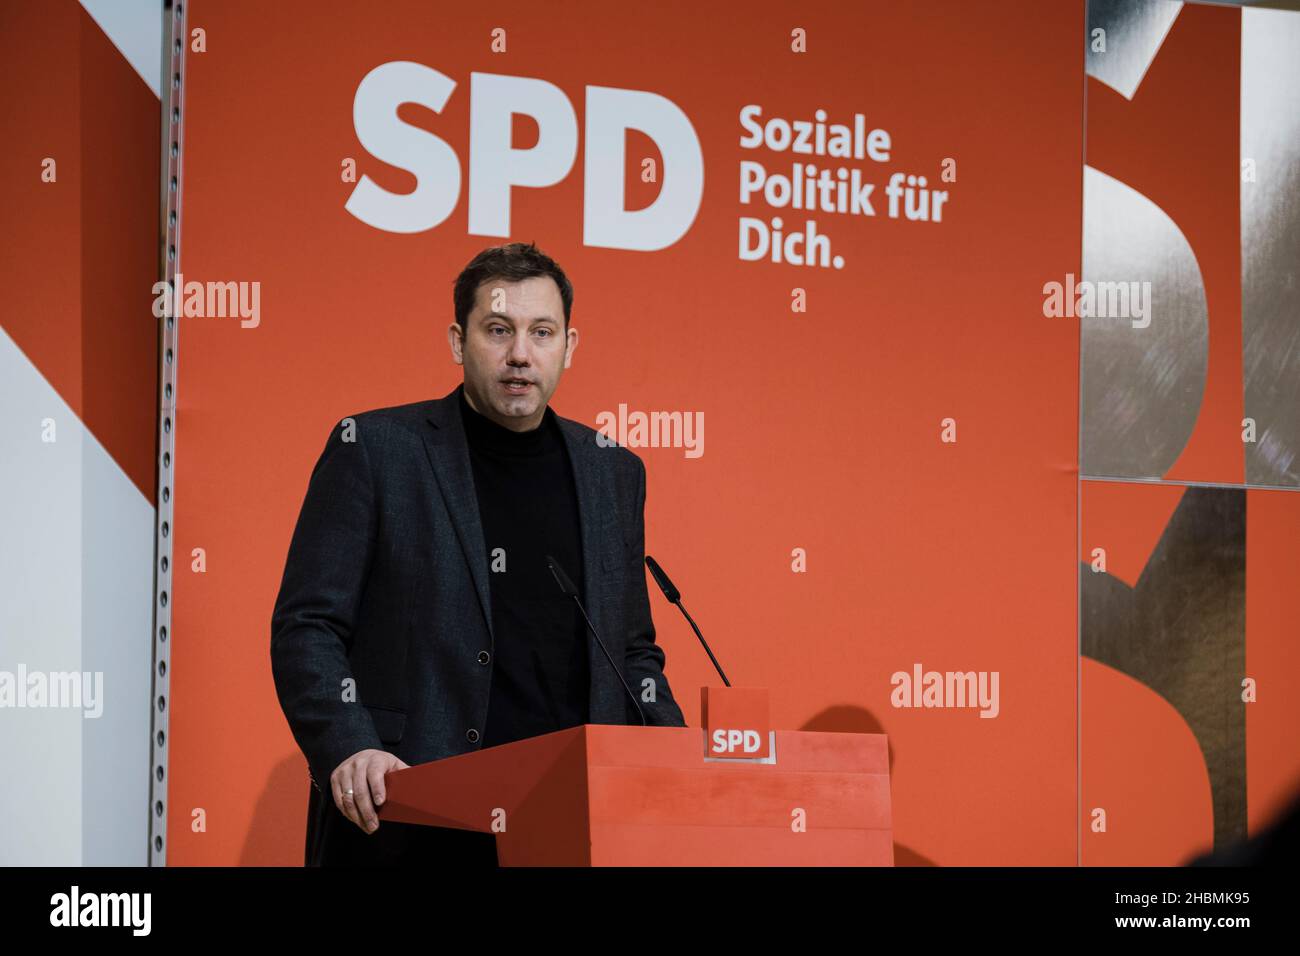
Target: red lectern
[{"x": 609, "y": 795}]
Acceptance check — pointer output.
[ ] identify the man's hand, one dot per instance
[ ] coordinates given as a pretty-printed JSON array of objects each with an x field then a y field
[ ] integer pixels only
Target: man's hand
[{"x": 358, "y": 785}]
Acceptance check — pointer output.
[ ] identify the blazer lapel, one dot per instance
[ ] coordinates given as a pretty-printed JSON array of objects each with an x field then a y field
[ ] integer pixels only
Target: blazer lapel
[
  {"x": 591, "y": 492},
  {"x": 448, "y": 453},
  {"x": 600, "y": 533}
]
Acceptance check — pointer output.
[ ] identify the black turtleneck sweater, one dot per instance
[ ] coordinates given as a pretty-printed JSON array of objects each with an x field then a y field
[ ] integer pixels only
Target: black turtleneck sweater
[{"x": 529, "y": 508}]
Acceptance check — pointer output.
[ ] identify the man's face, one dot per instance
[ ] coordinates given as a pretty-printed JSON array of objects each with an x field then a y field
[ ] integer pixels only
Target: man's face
[{"x": 514, "y": 349}]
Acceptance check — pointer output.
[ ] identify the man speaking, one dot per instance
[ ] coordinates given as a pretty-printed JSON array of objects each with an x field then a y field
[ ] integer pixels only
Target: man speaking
[{"x": 418, "y": 618}]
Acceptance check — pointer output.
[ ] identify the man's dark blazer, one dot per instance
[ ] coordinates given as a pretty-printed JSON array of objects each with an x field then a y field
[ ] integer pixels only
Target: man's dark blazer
[{"x": 386, "y": 585}]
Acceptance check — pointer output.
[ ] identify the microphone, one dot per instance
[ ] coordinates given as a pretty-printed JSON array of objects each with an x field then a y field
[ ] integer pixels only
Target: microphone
[
  {"x": 567, "y": 586},
  {"x": 674, "y": 596}
]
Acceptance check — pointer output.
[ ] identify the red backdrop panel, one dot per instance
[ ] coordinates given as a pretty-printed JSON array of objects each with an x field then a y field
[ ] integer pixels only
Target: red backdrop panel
[{"x": 823, "y": 428}]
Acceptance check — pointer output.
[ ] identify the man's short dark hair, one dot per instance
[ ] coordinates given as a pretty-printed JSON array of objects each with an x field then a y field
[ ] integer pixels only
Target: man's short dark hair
[{"x": 512, "y": 262}]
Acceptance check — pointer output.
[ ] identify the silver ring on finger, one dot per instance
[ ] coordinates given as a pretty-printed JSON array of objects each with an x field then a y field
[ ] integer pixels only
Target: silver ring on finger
[{"x": 347, "y": 793}]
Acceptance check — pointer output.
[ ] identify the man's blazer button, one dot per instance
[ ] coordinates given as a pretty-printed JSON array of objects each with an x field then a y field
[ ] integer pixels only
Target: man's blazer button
[
  {"x": 471, "y": 735},
  {"x": 484, "y": 657}
]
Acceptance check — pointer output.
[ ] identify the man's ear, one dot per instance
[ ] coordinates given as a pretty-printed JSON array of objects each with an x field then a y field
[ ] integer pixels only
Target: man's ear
[
  {"x": 569, "y": 346},
  {"x": 455, "y": 338}
]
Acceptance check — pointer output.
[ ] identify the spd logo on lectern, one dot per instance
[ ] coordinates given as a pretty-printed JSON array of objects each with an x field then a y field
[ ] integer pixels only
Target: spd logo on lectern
[
  {"x": 736, "y": 742},
  {"x": 737, "y": 723}
]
